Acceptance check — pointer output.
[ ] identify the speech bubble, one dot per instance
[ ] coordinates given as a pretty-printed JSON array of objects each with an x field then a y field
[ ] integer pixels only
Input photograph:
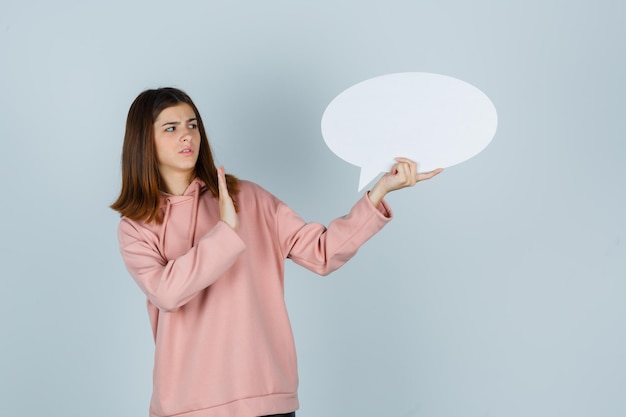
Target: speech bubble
[{"x": 435, "y": 120}]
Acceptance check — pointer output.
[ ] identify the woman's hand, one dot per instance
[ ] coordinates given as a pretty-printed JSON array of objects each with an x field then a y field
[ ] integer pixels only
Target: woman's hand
[
  {"x": 228, "y": 214},
  {"x": 403, "y": 174}
]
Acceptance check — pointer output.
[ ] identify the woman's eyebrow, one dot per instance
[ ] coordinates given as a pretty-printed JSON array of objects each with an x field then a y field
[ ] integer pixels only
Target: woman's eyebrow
[{"x": 191, "y": 119}]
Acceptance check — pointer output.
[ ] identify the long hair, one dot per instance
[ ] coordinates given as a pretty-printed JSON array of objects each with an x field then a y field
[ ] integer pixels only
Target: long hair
[{"x": 142, "y": 184}]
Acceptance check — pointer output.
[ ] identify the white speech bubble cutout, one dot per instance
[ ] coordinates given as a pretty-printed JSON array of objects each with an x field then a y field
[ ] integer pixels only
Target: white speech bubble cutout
[{"x": 436, "y": 120}]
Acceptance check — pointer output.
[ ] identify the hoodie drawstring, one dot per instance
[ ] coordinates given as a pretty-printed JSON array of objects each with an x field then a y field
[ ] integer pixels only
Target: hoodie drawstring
[
  {"x": 194, "y": 214},
  {"x": 168, "y": 205}
]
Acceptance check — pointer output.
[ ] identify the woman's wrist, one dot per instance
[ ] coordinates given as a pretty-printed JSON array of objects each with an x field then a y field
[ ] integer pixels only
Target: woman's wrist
[{"x": 376, "y": 195}]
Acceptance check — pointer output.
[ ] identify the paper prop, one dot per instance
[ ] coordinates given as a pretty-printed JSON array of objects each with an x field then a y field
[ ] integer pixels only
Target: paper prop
[{"x": 436, "y": 120}]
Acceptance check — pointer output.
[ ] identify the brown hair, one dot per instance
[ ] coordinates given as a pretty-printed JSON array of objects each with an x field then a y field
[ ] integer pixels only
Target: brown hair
[{"x": 142, "y": 184}]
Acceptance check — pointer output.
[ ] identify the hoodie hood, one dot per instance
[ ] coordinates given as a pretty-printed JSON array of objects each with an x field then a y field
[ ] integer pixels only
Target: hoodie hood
[{"x": 191, "y": 196}]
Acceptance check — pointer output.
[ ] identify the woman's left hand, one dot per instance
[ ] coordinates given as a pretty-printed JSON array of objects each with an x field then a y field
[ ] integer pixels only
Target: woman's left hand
[
  {"x": 228, "y": 213},
  {"x": 403, "y": 174}
]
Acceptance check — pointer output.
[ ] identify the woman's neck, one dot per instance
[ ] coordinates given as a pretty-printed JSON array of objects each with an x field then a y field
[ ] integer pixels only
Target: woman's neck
[{"x": 177, "y": 183}]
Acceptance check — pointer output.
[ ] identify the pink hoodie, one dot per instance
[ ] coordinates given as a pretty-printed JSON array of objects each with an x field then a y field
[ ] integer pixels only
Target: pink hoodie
[{"x": 223, "y": 342}]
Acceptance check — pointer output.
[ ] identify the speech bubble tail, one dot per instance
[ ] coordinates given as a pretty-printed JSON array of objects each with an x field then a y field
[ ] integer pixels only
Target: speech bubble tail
[{"x": 367, "y": 175}]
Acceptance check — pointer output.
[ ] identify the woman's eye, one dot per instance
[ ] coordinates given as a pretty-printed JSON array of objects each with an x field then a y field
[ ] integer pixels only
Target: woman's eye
[
  {"x": 169, "y": 129},
  {"x": 193, "y": 126}
]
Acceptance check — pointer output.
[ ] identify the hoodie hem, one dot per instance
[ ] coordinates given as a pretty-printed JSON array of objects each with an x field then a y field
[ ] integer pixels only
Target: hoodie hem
[{"x": 246, "y": 407}]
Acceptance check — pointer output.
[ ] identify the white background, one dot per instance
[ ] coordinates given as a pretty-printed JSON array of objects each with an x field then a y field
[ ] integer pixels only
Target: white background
[{"x": 498, "y": 290}]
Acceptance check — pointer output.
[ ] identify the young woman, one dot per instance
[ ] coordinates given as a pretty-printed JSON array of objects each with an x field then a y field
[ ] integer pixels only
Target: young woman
[{"x": 208, "y": 251}]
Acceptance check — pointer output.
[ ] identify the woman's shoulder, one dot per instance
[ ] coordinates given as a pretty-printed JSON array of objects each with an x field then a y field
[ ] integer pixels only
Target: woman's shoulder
[
  {"x": 250, "y": 191},
  {"x": 252, "y": 188}
]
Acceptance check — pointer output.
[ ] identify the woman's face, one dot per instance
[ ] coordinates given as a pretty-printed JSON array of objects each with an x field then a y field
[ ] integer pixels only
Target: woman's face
[{"x": 177, "y": 140}]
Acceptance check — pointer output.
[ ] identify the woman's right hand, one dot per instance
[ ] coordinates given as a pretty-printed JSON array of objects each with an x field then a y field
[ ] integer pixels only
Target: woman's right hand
[{"x": 228, "y": 214}]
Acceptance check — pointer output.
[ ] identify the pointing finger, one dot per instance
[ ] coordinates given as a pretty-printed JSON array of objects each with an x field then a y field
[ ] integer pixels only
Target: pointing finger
[{"x": 429, "y": 175}]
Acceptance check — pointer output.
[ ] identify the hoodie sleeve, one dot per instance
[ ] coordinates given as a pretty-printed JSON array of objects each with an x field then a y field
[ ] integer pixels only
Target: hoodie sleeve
[
  {"x": 323, "y": 250},
  {"x": 171, "y": 284}
]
